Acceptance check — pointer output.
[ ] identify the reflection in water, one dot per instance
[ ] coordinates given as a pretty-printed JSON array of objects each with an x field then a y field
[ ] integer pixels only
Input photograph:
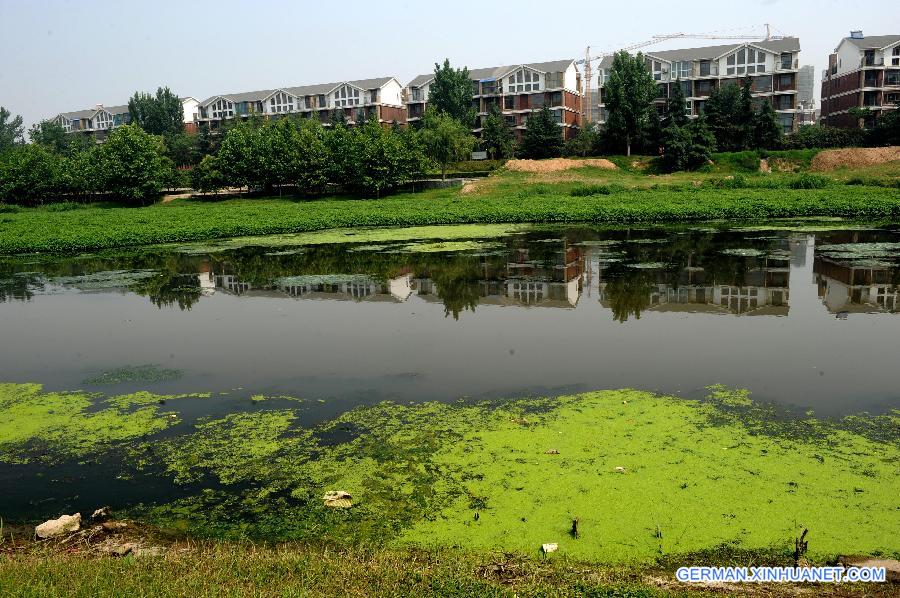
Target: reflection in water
[
  {"x": 365, "y": 314},
  {"x": 693, "y": 271}
]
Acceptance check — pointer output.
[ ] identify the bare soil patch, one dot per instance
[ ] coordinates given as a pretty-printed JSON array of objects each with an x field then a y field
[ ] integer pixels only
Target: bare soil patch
[
  {"x": 854, "y": 157},
  {"x": 556, "y": 165}
]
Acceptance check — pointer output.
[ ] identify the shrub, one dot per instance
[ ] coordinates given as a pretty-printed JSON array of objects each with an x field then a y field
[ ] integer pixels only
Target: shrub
[
  {"x": 809, "y": 181},
  {"x": 740, "y": 161},
  {"x": 589, "y": 190},
  {"x": 821, "y": 137},
  {"x": 64, "y": 206},
  {"x": 734, "y": 182},
  {"x": 131, "y": 164}
]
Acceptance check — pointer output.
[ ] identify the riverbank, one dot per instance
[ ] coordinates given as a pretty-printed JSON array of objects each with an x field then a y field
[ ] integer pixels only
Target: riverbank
[
  {"x": 582, "y": 195},
  {"x": 203, "y": 568}
]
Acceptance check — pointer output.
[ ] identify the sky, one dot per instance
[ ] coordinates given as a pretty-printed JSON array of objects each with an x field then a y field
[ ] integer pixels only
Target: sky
[{"x": 63, "y": 55}]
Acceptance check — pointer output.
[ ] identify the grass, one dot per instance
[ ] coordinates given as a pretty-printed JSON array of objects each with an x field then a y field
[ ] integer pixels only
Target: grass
[
  {"x": 503, "y": 198},
  {"x": 249, "y": 569}
]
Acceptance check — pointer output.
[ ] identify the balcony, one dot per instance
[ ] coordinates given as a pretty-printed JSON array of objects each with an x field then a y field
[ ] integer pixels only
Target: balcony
[
  {"x": 706, "y": 68},
  {"x": 871, "y": 61}
]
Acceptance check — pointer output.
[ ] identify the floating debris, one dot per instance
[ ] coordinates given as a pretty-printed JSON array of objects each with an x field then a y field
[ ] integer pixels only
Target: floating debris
[{"x": 338, "y": 499}]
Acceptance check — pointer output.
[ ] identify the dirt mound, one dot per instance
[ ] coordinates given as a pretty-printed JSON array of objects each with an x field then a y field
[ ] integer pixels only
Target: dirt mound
[
  {"x": 852, "y": 157},
  {"x": 556, "y": 165}
]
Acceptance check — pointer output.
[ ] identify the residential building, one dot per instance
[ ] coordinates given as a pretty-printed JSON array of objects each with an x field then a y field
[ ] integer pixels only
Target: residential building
[
  {"x": 98, "y": 121},
  {"x": 94, "y": 121},
  {"x": 517, "y": 90},
  {"x": 863, "y": 72},
  {"x": 364, "y": 99},
  {"x": 772, "y": 65}
]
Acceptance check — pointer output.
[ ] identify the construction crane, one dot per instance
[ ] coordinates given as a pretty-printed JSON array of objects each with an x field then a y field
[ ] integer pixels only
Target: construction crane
[{"x": 588, "y": 59}]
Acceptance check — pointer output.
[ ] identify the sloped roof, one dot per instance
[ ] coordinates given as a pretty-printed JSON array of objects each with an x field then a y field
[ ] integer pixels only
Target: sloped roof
[
  {"x": 787, "y": 44},
  {"x": 873, "y": 42},
  {"x": 116, "y": 109},
  {"x": 495, "y": 72},
  {"x": 302, "y": 90},
  {"x": 78, "y": 114}
]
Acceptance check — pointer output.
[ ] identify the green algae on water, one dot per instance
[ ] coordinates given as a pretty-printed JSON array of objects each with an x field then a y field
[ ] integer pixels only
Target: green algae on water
[
  {"x": 53, "y": 426},
  {"x": 645, "y": 475}
]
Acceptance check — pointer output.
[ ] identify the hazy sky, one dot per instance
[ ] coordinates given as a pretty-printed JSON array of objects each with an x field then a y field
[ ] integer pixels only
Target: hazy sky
[{"x": 61, "y": 55}]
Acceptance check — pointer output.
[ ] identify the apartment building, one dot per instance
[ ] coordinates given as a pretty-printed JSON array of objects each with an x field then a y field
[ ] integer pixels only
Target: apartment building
[
  {"x": 517, "y": 90},
  {"x": 98, "y": 121},
  {"x": 773, "y": 66},
  {"x": 364, "y": 99},
  {"x": 863, "y": 72}
]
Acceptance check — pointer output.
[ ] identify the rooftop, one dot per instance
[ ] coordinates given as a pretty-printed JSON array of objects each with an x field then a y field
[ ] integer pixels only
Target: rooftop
[{"x": 496, "y": 72}]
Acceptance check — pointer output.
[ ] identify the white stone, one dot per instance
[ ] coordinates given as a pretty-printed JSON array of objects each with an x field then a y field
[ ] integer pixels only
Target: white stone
[
  {"x": 66, "y": 524},
  {"x": 549, "y": 547}
]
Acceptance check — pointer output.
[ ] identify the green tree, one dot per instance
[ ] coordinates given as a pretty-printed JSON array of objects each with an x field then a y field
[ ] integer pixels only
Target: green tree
[
  {"x": 337, "y": 117},
  {"x": 161, "y": 114},
  {"x": 543, "y": 137},
  {"x": 309, "y": 169},
  {"x": 206, "y": 176},
  {"x": 887, "y": 128},
  {"x": 445, "y": 139},
  {"x": 131, "y": 165},
  {"x": 496, "y": 137},
  {"x": 242, "y": 156},
  {"x": 11, "y": 130},
  {"x": 628, "y": 93},
  {"x": 767, "y": 132},
  {"x": 676, "y": 106},
  {"x": 726, "y": 110},
  {"x": 686, "y": 147},
  {"x": 451, "y": 93},
  {"x": 585, "y": 143},
  {"x": 182, "y": 148},
  {"x": 30, "y": 173}
]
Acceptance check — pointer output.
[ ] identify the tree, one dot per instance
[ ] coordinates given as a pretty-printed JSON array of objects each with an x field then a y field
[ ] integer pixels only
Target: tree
[
  {"x": 182, "y": 148},
  {"x": 585, "y": 143},
  {"x": 337, "y": 118},
  {"x": 627, "y": 94},
  {"x": 131, "y": 164},
  {"x": 30, "y": 173},
  {"x": 766, "y": 130},
  {"x": 729, "y": 112},
  {"x": 686, "y": 147},
  {"x": 309, "y": 170},
  {"x": 496, "y": 137},
  {"x": 451, "y": 93},
  {"x": 676, "y": 106},
  {"x": 242, "y": 158},
  {"x": 543, "y": 137},
  {"x": 887, "y": 128},
  {"x": 11, "y": 130},
  {"x": 445, "y": 140},
  {"x": 158, "y": 115},
  {"x": 206, "y": 176}
]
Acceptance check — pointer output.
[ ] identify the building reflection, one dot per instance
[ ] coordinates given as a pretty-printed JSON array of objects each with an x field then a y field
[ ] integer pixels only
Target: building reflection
[{"x": 845, "y": 287}]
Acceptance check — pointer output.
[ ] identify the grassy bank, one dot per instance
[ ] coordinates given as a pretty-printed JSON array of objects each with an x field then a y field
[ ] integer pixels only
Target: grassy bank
[
  {"x": 252, "y": 569},
  {"x": 585, "y": 194}
]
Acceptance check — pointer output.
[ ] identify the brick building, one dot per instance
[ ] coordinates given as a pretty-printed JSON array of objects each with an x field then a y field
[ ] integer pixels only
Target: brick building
[
  {"x": 863, "y": 72},
  {"x": 517, "y": 90}
]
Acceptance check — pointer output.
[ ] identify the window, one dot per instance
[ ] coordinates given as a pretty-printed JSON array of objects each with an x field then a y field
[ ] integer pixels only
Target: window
[
  {"x": 103, "y": 120},
  {"x": 523, "y": 80},
  {"x": 537, "y": 100},
  {"x": 895, "y": 56},
  {"x": 786, "y": 60},
  {"x": 745, "y": 61},
  {"x": 707, "y": 69},
  {"x": 762, "y": 84},
  {"x": 657, "y": 68},
  {"x": 686, "y": 89},
  {"x": 418, "y": 94},
  {"x": 511, "y": 120},
  {"x": 346, "y": 96},
  {"x": 869, "y": 59},
  {"x": 557, "y": 116},
  {"x": 556, "y": 98},
  {"x": 281, "y": 102},
  {"x": 681, "y": 70},
  {"x": 488, "y": 87},
  {"x": 698, "y": 106},
  {"x": 892, "y": 77},
  {"x": 702, "y": 88},
  {"x": 784, "y": 102},
  {"x": 509, "y": 102},
  {"x": 221, "y": 108},
  {"x": 373, "y": 96},
  {"x": 785, "y": 82},
  {"x": 553, "y": 80},
  {"x": 787, "y": 122},
  {"x": 321, "y": 101},
  {"x": 892, "y": 98},
  {"x": 662, "y": 90}
]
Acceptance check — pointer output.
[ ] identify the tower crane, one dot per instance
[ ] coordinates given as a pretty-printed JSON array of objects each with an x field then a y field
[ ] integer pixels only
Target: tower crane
[{"x": 588, "y": 59}]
